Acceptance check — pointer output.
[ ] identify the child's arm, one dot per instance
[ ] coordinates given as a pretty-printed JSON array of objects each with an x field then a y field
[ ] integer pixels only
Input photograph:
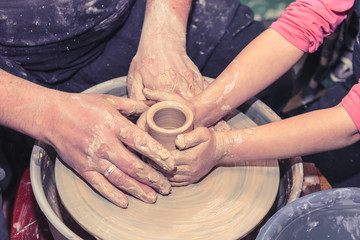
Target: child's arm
[
  {"x": 300, "y": 29},
  {"x": 308, "y": 133}
]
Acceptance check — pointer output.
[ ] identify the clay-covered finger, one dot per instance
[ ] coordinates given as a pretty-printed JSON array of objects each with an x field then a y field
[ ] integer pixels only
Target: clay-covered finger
[
  {"x": 128, "y": 106},
  {"x": 184, "y": 89},
  {"x": 194, "y": 78},
  {"x": 141, "y": 122},
  {"x": 130, "y": 164},
  {"x": 158, "y": 96},
  {"x": 143, "y": 143},
  {"x": 135, "y": 85},
  {"x": 193, "y": 138},
  {"x": 106, "y": 189},
  {"x": 131, "y": 186}
]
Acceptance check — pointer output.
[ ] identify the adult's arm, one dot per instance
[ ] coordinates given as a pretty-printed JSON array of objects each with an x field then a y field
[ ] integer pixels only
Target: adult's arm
[
  {"x": 161, "y": 61},
  {"x": 89, "y": 132}
]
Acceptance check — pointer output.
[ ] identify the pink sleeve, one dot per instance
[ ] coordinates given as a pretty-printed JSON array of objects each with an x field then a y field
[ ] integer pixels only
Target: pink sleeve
[
  {"x": 305, "y": 23},
  {"x": 351, "y": 103}
]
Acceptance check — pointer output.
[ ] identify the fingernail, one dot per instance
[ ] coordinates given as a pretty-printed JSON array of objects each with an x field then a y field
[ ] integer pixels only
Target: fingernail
[
  {"x": 151, "y": 197},
  {"x": 121, "y": 202}
]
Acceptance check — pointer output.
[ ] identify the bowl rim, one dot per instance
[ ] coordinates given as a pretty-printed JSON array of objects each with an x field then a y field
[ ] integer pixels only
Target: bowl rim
[{"x": 301, "y": 206}]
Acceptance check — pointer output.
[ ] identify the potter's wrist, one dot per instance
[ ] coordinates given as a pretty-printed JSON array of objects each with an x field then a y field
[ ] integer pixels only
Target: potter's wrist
[
  {"x": 165, "y": 29},
  {"x": 228, "y": 157},
  {"x": 48, "y": 116},
  {"x": 163, "y": 39},
  {"x": 168, "y": 18},
  {"x": 222, "y": 148}
]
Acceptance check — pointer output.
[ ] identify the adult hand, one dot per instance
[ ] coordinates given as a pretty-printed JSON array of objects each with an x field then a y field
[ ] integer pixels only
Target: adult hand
[
  {"x": 90, "y": 134},
  {"x": 163, "y": 64},
  {"x": 200, "y": 151}
]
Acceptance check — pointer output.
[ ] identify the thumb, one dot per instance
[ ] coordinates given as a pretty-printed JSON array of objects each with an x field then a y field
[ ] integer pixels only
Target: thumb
[
  {"x": 141, "y": 122},
  {"x": 128, "y": 106},
  {"x": 193, "y": 138}
]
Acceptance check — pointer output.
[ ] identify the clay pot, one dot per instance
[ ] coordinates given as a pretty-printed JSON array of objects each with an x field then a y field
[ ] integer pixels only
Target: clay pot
[{"x": 166, "y": 120}]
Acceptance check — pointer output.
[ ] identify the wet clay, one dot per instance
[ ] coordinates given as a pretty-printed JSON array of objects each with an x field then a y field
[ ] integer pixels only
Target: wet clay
[{"x": 165, "y": 120}]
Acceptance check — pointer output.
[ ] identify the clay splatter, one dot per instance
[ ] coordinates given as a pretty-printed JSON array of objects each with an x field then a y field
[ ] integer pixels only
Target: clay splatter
[
  {"x": 230, "y": 86},
  {"x": 226, "y": 107}
]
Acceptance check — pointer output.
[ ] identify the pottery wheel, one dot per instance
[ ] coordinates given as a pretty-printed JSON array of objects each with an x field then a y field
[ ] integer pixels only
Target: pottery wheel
[{"x": 227, "y": 204}]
